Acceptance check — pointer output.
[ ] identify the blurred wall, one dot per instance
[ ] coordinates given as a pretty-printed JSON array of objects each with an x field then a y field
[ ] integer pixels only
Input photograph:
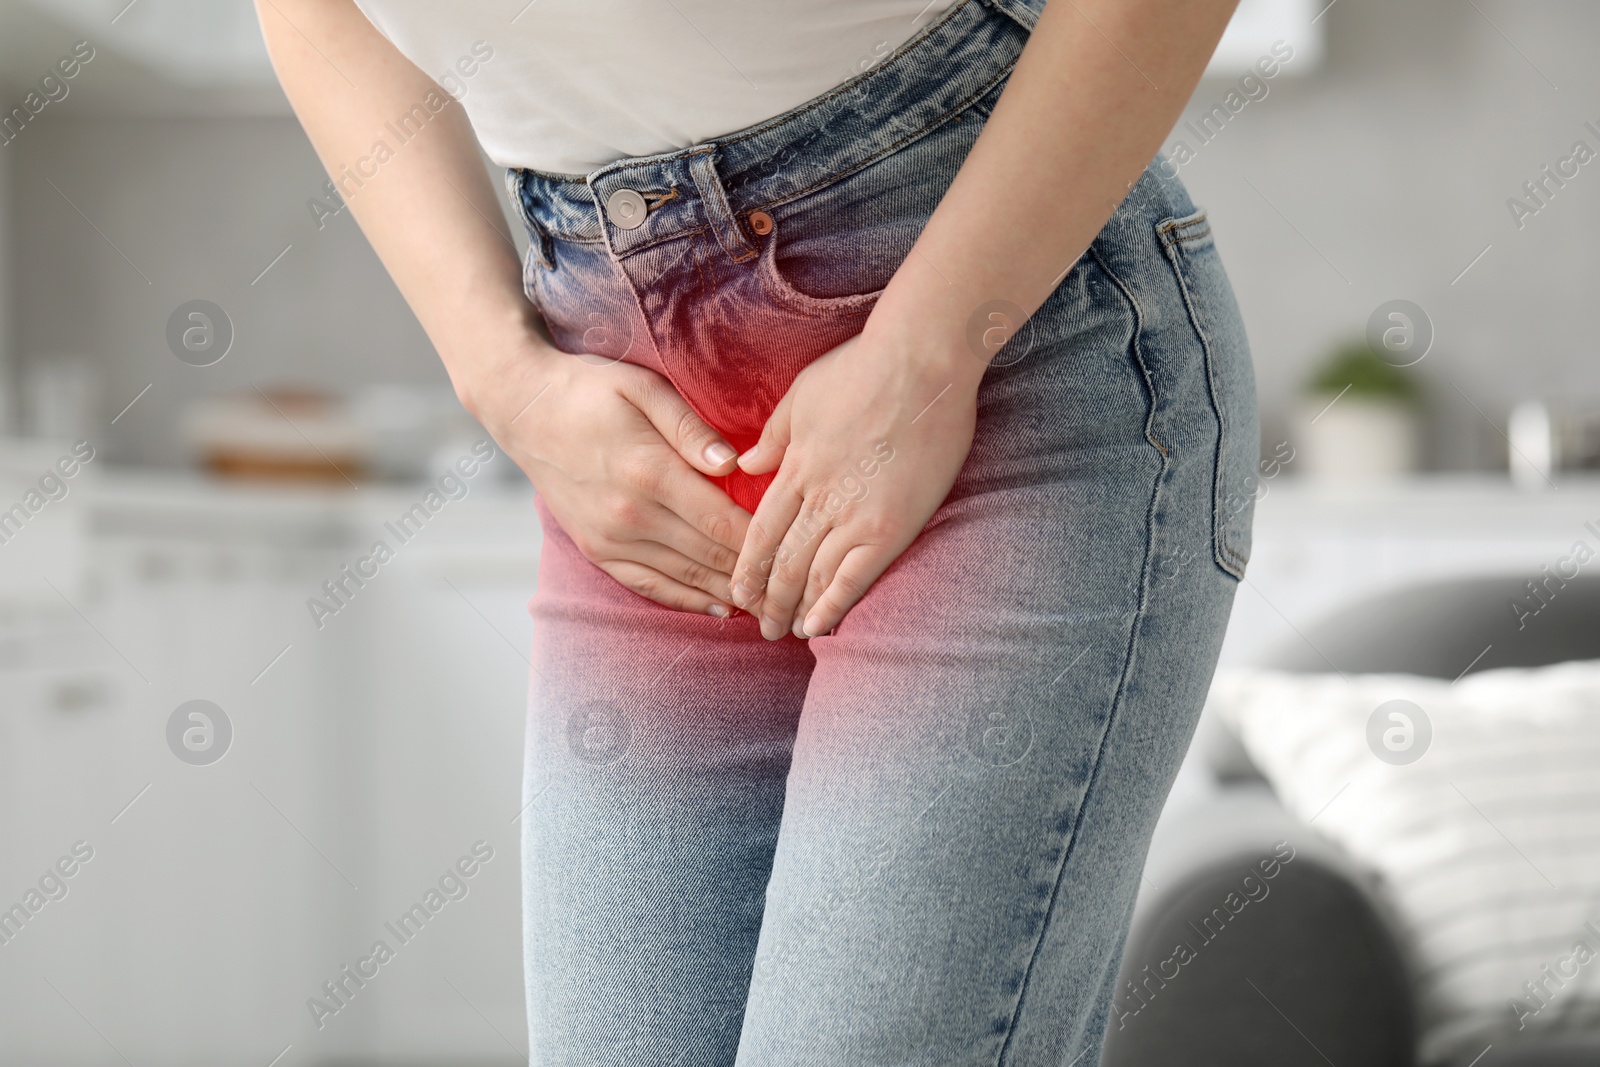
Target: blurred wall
[
  {"x": 7, "y": 314},
  {"x": 1381, "y": 174},
  {"x": 179, "y": 209}
]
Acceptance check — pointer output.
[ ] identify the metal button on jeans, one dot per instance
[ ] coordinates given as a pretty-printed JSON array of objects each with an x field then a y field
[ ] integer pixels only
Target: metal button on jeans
[{"x": 626, "y": 209}]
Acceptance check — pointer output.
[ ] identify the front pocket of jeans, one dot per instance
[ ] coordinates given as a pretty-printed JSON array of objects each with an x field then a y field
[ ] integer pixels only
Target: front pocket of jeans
[
  {"x": 1192, "y": 253},
  {"x": 828, "y": 269}
]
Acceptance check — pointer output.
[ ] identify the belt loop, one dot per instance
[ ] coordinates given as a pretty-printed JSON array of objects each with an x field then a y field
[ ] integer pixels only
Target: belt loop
[
  {"x": 1023, "y": 11},
  {"x": 703, "y": 169},
  {"x": 539, "y": 241}
]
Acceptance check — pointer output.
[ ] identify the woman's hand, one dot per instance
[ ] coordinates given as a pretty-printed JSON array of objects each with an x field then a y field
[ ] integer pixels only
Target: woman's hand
[
  {"x": 620, "y": 460},
  {"x": 1073, "y": 131},
  {"x": 618, "y": 457},
  {"x": 867, "y": 443}
]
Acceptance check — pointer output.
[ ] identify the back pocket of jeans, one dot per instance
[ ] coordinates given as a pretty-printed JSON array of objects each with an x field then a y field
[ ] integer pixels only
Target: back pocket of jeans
[{"x": 1192, "y": 252}]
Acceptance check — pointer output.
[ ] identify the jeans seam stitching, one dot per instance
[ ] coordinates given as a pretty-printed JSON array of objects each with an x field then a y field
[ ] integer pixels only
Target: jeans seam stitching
[
  {"x": 1227, "y": 558},
  {"x": 720, "y": 216},
  {"x": 890, "y": 150},
  {"x": 657, "y": 242},
  {"x": 1173, "y": 227},
  {"x": 1005, "y": 7},
  {"x": 1139, "y": 318},
  {"x": 1130, "y": 656},
  {"x": 644, "y": 323}
]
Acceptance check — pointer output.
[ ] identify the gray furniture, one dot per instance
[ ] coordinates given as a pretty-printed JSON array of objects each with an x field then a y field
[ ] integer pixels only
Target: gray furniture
[{"x": 1313, "y": 973}]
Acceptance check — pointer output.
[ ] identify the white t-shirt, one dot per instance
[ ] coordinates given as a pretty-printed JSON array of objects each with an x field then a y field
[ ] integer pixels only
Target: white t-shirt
[{"x": 566, "y": 86}]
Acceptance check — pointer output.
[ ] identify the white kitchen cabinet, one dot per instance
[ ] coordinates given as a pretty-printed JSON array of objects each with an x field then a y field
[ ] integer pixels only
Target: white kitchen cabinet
[{"x": 366, "y": 756}]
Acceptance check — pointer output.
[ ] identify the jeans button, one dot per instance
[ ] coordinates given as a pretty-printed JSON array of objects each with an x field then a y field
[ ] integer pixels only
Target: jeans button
[{"x": 626, "y": 209}]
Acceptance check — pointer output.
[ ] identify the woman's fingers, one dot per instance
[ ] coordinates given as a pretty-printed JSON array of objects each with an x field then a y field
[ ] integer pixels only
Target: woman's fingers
[
  {"x": 680, "y": 568},
  {"x": 663, "y": 589},
  {"x": 790, "y": 566},
  {"x": 701, "y": 446},
  {"x": 704, "y": 508},
  {"x": 861, "y": 566},
  {"x": 768, "y": 526},
  {"x": 676, "y": 534},
  {"x": 830, "y": 553},
  {"x": 767, "y": 454}
]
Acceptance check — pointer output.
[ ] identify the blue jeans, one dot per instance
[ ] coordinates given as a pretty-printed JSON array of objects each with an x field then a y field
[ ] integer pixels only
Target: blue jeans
[{"x": 916, "y": 840}]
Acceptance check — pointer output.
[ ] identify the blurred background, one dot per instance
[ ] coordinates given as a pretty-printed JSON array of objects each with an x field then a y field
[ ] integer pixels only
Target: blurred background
[{"x": 213, "y": 403}]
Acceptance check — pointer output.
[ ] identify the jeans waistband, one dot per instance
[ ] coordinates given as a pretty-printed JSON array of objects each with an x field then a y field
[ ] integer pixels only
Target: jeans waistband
[{"x": 953, "y": 62}]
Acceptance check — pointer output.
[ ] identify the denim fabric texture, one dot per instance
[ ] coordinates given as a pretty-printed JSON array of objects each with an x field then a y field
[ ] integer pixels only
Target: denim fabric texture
[{"x": 918, "y": 840}]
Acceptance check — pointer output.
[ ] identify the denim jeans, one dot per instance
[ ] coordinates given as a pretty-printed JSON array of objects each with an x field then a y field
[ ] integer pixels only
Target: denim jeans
[{"x": 915, "y": 841}]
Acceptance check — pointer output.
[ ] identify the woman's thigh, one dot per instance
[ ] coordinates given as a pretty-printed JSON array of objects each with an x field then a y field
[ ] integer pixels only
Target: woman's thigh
[
  {"x": 657, "y": 746},
  {"x": 988, "y": 737}
]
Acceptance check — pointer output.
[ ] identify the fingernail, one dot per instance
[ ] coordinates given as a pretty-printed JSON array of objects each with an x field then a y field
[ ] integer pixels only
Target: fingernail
[
  {"x": 813, "y": 626},
  {"x": 717, "y": 453},
  {"x": 742, "y": 595},
  {"x": 718, "y": 610},
  {"x": 771, "y": 628}
]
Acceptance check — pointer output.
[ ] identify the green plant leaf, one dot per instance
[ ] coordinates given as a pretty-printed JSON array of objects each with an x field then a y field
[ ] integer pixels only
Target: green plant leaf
[{"x": 1356, "y": 366}]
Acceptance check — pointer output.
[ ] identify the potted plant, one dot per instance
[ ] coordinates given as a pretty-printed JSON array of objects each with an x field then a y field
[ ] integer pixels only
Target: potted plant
[{"x": 1361, "y": 419}]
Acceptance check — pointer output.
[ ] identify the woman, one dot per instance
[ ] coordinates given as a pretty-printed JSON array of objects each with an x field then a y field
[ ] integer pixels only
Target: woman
[{"x": 951, "y": 418}]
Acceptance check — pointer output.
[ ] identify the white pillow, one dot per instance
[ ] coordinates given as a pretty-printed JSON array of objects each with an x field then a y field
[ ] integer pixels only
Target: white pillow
[{"x": 1485, "y": 836}]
